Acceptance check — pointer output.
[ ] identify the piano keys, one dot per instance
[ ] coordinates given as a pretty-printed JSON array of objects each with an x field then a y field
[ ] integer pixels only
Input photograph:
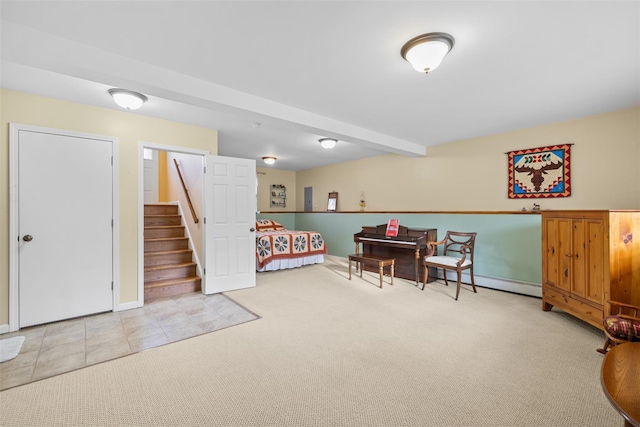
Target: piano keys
[{"x": 408, "y": 248}]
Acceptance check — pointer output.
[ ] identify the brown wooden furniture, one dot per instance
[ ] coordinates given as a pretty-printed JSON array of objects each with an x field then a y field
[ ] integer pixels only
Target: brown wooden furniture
[
  {"x": 589, "y": 258},
  {"x": 381, "y": 262},
  {"x": 457, "y": 255},
  {"x": 620, "y": 379},
  {"x": 622, "y": 326},
  {"x": 408, "y": 248}
]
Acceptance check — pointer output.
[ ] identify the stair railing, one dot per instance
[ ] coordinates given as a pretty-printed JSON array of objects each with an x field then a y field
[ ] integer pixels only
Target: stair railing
[{"x": 186, "y": 192}]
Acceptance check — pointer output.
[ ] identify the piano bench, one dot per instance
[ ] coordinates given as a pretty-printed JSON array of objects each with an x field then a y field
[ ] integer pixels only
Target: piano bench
[{"x": 373, "y": 259}]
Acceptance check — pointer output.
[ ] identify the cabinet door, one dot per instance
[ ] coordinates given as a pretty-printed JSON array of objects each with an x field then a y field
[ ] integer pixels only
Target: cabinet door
[
  {"x": 595, "y": 263},
  {"x": 565, "y": 253},
  {"x": 578, "y": 258},
  {"x": 550, "y": 259},
  {"x": 587, "y": 257}
]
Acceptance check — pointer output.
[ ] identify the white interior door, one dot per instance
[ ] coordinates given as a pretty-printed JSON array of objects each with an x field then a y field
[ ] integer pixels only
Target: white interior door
[
  {"x": 230, "y": 212},
  {"x": 65, "y": 226},
  {"x": 150, "y": 175}
]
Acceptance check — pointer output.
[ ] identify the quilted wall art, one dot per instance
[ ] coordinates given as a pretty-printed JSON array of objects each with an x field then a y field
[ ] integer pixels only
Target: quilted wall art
[{"x": 540, "y": 172}]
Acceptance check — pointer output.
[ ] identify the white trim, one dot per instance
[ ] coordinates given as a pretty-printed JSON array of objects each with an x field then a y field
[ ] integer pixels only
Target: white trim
[
  {"x": 4, "y": 329},
  {"x": 191, "y": 245},
  {"x": 509, "y": 285},
  {"x": 14, "y": 186},
  {"x": 160, "y": 147},
  {"x": 127, "y": 306}
]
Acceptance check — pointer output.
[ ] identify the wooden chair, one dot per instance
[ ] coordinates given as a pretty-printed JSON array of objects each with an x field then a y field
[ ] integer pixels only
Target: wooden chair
[
  {"x": 624, "y": 326},
  {"x": 454, "y": 242}
]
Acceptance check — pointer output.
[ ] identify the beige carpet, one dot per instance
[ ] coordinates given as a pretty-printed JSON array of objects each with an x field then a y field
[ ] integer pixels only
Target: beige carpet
[{"x": 334, "y": 352}]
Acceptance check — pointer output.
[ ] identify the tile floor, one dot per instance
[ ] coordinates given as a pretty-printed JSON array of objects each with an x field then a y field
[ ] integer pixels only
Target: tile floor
[{"x": 64, "y": 346}]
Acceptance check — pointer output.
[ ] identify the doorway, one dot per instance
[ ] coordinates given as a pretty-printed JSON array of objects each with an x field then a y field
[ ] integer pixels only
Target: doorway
[
  {"x": 308, "y": 199},
  {"x": 228, "y": 270}
]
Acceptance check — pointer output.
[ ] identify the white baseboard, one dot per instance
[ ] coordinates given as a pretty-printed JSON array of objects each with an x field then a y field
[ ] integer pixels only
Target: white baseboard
[
  {"x": 515, "y": 286},
  {"x": 128, "y": 306},
  {"x": 4, "y": 329},
  {"x": 508, "y": 285}
]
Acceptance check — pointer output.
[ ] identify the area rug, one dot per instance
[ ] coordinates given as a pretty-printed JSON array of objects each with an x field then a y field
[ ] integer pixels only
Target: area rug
[{"x": 10, "y": 347}]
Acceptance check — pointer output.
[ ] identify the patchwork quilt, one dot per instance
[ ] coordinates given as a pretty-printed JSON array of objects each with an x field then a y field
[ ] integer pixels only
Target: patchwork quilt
[{"x": 287, "y": 244}]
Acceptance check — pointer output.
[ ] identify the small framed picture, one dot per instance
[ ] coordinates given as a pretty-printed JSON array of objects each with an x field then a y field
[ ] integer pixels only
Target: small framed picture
[{"x": 332, "y": 204}]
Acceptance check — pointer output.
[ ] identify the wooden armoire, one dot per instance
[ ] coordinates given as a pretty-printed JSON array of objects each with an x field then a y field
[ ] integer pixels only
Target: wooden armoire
[{"x": 590, "y": 258}]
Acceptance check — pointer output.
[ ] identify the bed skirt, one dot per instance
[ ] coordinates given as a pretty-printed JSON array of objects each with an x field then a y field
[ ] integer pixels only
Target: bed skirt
[{"x": 282, "y": 264}]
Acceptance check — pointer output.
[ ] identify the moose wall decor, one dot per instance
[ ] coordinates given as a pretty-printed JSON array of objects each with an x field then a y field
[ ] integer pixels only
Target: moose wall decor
[{"x": 540, "y": 172}]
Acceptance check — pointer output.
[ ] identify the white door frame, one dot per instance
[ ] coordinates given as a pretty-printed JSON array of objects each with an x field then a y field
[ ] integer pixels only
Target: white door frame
[
  {"x": 14, "y": 244},
  {"x": 160, "y": 147}
]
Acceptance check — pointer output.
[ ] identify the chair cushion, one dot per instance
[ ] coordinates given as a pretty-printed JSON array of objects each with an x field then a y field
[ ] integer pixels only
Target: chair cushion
[
  {"x": 447, "y": 261},
  {"x": 619, "y": 328}
]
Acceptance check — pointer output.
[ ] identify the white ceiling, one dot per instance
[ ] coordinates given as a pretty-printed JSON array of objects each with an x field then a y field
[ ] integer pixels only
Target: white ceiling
[{"x": 311, "y": 69}]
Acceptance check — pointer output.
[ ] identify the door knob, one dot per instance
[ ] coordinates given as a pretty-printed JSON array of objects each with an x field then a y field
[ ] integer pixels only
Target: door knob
[
  {"x": 252, "y": 229},
  {"x": 27, "y": 238}
]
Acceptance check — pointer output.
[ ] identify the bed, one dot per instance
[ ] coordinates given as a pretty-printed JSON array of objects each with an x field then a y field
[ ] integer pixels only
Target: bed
[{"x": 278, "y": 248}]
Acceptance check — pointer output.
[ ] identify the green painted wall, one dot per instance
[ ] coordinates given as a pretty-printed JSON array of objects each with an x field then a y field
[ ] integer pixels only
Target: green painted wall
[{"x": 507, "y": 246}]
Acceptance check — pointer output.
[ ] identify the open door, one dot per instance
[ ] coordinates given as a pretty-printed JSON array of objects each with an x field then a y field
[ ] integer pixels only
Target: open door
[{"x": 230, "y": 217}]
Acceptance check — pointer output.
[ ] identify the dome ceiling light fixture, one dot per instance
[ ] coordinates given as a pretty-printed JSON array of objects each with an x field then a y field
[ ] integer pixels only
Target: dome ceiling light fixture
[
  {"x": 128, "y": 99},
  {"x": 328, "y": 143},
  {"x": 269, "y": 160},
  {"x": 426, "y": 52}
]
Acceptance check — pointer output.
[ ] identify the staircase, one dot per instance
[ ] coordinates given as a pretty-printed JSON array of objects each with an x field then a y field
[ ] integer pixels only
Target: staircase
[{"x": 168, "y": 266}]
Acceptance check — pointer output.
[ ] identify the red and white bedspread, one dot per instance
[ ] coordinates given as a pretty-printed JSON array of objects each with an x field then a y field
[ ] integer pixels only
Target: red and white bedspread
[{"x": 281, "y": 245}]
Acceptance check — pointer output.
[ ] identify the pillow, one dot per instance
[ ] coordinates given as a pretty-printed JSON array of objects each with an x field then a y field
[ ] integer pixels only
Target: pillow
[{"x": 268, "y": 225}]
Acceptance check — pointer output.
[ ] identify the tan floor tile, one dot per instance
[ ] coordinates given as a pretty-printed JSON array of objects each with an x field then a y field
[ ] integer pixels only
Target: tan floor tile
[
  {"x": 64, "y": 346},
  {"x": 65, "y": 327},
  {"x": 106, "y": 333},
  {"x": 96, "y": 343},
  {"x": 101, "y": 321},
  {"x": 31, "y": 344},
  {"x": 214, "y": 325},
  {"x": 62, "y": 338},
  {"x": 145, "y": 331},
  {"x": 63, "y": 350},
  {"x": 182, "y": 333},
  {"x": 16, "y": 377},
  {"x": 59, "y": 366},
  {"x": 133, "y": 323},
  {"x": 22, "y": 360},
  {"x": 108, "y": 352},
  {"x": 145, "y": 343}
]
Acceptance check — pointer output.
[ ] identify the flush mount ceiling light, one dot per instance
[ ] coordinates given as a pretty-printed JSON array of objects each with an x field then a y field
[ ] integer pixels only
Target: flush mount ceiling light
[
  {"x": 427, "y": 51},
  {"x": 127, "y": 98},
  {"x": 269, "y": 160},
  {"x": 328, "y": 143}
]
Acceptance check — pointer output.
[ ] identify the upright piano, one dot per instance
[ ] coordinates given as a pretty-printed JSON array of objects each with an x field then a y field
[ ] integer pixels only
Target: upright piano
[{"x": 408, "y": 248}]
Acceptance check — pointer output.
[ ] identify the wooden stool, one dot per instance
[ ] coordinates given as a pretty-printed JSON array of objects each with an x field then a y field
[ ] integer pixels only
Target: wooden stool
[{"x": 373, "y": 259}]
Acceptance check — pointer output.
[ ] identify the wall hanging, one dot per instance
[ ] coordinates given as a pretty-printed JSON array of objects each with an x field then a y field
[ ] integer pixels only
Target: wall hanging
[{"x": 540, "y": 172}]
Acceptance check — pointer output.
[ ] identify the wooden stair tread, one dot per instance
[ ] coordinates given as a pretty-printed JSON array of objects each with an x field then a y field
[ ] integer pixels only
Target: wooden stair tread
[
  {"x": 158, "y": 239},
  {"x": 169, "y": 266},
  {"x": 172, "y": 252},
  {"x": 161, "y": 227},
  {"x": 168, "y": 282}
]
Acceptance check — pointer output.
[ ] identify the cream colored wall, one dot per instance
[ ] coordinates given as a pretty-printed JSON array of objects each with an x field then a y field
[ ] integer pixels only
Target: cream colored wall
[
  {"x": 192, "y": 172},
  {"x": 269, "y": 176},
  {"x": 471, "y": 175},
  {"x": 129, "y": 128}
]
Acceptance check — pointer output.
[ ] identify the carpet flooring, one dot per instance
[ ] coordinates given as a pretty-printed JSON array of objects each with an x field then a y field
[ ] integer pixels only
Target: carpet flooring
[{"x": 332, "y": 352}]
